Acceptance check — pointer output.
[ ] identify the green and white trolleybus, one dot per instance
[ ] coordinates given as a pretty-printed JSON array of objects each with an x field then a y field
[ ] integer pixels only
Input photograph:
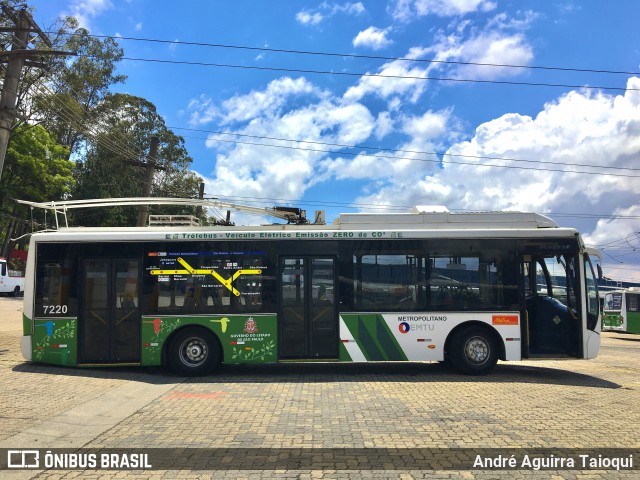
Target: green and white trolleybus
[
  {"x": 622, "y": 311},
  {"x": 465, "y": 288}
]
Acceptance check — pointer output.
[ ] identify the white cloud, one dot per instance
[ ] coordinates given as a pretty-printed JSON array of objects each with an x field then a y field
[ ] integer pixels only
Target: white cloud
[
  {"x": 398, "y": 78},
  {"x": 268, "y": 102},
  {"x": 307, "y": 18},
  {"x": 85, "y": 10},
  {"x": 621, "y": 251},
  {"x": 475, "y": 55},
  {"x": 488, "y": 48},
  {"x": 202, "y": 111},
  {"x": 399, "y": 167},
  {"x": 327, "y": 10},
  {"x": 578, "y": 131},
  {"x": 428, "y": 126},
  {"x": 384, "y": 125},
  {"x": 321, "y": 123},
  {"x": 502, "y": 21},
  {"x": 407, "y": 10},
  {"x": 585, "y": 128},
  {"x": 372, "y": 37},
  {"x": 350, "y": 8}
]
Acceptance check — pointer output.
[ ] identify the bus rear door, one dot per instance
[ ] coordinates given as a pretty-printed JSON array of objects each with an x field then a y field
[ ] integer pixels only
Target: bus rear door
[
  {"x": 308, "y": 310},
  {"x": 109, "y": 317}
]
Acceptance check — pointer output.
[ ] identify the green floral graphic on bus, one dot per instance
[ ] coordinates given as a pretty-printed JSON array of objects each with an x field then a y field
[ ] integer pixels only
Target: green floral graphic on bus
[
  {"x": 243, "y": 338},
  {"x": 54, "y": 341},
  {"x": 261, "y": 353}
]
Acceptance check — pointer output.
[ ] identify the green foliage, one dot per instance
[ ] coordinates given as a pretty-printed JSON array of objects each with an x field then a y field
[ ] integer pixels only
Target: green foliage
[
  {"x": 36, "y": 167},
  {"x": 107, "y": 135},
  {"x": 129, "y": 122},
  {"x": 77, "y": 87}
]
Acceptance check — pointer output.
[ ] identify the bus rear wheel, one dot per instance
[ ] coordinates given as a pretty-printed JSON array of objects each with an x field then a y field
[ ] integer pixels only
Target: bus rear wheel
[
  {"x": 194, "y": 351},
  {"x": 473, "y": 351}
]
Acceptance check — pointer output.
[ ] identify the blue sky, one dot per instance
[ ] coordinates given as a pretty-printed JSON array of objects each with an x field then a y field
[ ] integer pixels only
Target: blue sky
[{"x": 365, "y": 136}]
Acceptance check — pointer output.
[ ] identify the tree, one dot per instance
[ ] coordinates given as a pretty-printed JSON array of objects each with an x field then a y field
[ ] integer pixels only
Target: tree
[
  {"x": 106, "y": 134},
  {"x": 129, "y": 122},
  {"x": 67, "y": 105},
  {"x": 36, "y": 169}
]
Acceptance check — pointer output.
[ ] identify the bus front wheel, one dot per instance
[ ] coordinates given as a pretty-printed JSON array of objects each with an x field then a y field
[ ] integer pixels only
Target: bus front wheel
[
  {"x": 473, "y": 351},
  {"x": 194, "y": 352}
]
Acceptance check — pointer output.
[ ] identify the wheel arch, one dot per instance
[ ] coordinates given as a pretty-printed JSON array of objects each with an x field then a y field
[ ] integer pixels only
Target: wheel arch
[
  {"x": 167, "y": 342},
  {"x": 477, "y": 323}
]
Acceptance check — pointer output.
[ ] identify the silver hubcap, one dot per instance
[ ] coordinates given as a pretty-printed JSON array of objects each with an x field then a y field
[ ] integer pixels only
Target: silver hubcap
[
  {"x": 193, "y": 351},
  {"x": 477, "y": 350}
]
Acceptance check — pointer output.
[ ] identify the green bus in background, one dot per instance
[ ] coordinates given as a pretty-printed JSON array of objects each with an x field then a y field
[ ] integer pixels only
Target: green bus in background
[{"x": 622, "y": 311}]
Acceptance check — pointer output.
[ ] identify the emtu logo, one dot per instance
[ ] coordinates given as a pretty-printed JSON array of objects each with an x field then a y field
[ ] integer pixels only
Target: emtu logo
[{"x": 404, "y": 327}]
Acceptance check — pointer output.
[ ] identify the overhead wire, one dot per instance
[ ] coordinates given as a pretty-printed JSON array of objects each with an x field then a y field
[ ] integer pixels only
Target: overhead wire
[
  {"x": 123, "y": 145},
  {"x": 407, "y": 77},
  {"x": 380, "y": 149},
  {"x": 362, "y": 56},
  {"x": 378, "y": 75},
  {"x": 86, "y": 125},
  {"x": 360, "y": 205},
  {"x": 87, "y": 128},
  {"x": 368, "y": 74},
  {"x": 437, "y": 161},
  {"x": 386, "y": 149}
]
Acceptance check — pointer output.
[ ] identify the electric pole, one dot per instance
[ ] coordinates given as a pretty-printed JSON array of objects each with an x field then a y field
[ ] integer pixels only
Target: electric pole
[
  {"x": 9, "y": 97},
  {"x": 150, "y": 166},
  {"x": 18, "y": 57}
]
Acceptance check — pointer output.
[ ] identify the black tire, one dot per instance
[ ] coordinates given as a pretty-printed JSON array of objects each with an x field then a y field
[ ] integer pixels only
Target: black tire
[
  {"x": 193, "y": 352},
  {"x": 16, "y": 292},
  {"x": 473, "y": 351}
]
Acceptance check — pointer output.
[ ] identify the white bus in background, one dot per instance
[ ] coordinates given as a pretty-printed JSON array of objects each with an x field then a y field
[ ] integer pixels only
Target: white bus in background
[{"x": 11, "y": 282}]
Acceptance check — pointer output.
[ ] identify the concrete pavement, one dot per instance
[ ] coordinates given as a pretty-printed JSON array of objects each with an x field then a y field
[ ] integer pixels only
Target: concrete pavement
[{"x": 403, "y": 408}]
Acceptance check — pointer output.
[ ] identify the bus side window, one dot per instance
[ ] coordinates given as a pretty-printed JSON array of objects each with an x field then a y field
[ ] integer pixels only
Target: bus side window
[{"x": 54, "y": 296}]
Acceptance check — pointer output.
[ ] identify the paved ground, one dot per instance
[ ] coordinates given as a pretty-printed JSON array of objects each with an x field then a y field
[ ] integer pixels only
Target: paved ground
[{"x": 356, "y": 417}]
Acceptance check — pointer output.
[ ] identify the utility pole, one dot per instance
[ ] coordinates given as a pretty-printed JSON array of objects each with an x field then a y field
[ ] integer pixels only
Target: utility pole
[
  {"x": 200, "y": 197},
  {"x": 19, "y": 57},
  {"x": 9, "y": 97},
  {"x": 150, "y": 166}
]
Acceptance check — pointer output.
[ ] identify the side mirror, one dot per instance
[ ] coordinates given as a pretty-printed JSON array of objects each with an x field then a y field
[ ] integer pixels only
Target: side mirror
[{"x": 599, "y": 268}]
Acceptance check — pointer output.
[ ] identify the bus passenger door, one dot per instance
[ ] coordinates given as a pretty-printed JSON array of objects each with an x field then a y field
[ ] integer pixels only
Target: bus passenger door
[
  {"x": 109, "y": 320},
  {"x": 308, "y": 310},
  {"x": 552, "y": 326}
]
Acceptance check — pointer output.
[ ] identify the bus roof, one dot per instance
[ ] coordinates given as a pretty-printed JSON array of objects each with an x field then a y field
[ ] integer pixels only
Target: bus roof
[
  {"x": 446, "y": 220},
  {"x": 419, "y": 217},
  {"x": 420, "y": 222},
  {"x": 352, "y": 226}
]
